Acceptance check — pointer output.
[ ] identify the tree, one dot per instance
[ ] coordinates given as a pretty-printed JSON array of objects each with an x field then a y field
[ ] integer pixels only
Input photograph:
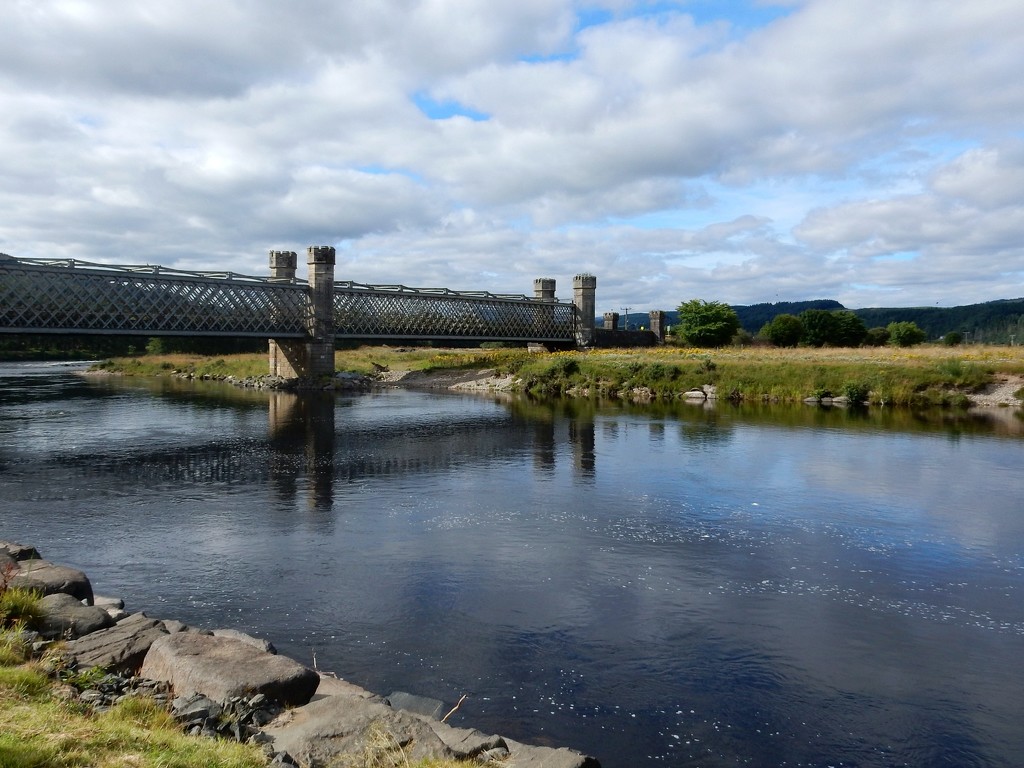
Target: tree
[
  {"x": 905, "y": 334},
  {"x": 877, "y": 337},
  {"x": 849, "y": 329},
  {"x": 840, "y": 328},
  {"x": 707, "y": 323},
  {"x": 953, "y": 338},
  {"x": 819, "y": 327},
  {"x": 783, "y": 330}
]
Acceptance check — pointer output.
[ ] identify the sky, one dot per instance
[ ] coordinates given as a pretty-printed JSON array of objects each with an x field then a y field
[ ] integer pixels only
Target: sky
[{"x": 744, "y": 151}]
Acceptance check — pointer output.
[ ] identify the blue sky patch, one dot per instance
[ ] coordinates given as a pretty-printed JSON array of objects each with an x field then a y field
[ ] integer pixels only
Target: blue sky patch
[{"x": 442, "y": 110}]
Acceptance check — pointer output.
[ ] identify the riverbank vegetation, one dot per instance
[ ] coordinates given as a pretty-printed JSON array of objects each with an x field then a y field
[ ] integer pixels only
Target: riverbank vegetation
[
  {"x": 926, "y": 375},
  {"x": 42, "y": 727}
]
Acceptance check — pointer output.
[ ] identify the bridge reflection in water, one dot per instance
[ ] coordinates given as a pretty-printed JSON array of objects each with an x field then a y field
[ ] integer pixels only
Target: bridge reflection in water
[
  {"x": 305, "y": 457},
  {"x": 311, "y": 450}
]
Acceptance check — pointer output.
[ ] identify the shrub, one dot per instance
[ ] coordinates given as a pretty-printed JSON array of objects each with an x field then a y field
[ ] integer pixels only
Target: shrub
[
  {"x": 707, "y": 323},
  {"x": 856, "y": 392},
  {"x": 905, "y": 334},
  {"x": 783, "y": 330},
  {"x": 876, "y": 337},
  {"x": 565, "y": 367}
]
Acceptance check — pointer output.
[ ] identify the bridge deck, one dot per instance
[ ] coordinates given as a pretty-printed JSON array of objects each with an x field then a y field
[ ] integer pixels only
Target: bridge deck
[{"x": 74, "y": 297}]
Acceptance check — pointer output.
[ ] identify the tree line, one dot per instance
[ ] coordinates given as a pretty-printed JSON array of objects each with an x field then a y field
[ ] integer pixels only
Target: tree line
[
  {"x": 826, "y": 322},
  {"x": 714, "y": 324}
]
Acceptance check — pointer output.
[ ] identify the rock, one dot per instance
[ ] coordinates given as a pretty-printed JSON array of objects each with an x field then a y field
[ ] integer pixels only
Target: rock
[
  {"x": 19, "y": 551},
  {"x": 108, "y": 602},
  {"x": 120, "y": 648},
  {"x": 695, "y": 394},
  {"x": 65, "y": 617},
  {"x": 222, "y": 667},
  {"x": 421, "y": 705},
  {"x": 468, "y": 743},
  {"x": 255, "y": 642},
  {"x": 322, "y": 731},
  {"x": 334, "y": 686},
  {"x": 526, "y": 756},
  {"x": 173, "y": 625},
  {"x": 51, "y": 579},
  {"x": 195, "y": 709}
]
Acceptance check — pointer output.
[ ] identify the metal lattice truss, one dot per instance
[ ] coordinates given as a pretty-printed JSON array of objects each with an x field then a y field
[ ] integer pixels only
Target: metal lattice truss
[
  {"x": 75, "y": 297},
  {"x": 68, "y": 296},
  {"x": 394, "y": 311}
]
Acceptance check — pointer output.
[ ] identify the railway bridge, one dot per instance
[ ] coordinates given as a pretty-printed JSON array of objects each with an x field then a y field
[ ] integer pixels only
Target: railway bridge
[{"x": 300, "y": 318}]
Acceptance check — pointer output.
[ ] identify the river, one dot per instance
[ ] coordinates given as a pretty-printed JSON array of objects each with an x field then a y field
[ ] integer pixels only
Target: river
[{"x": 662, "y": 585}]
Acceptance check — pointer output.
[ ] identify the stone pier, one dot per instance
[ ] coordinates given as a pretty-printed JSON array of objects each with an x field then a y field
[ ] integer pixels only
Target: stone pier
[
  {"x": 584, "y": 296},
  {"x": 287, "y": 356},
  {"x": 314, "y": 355}
]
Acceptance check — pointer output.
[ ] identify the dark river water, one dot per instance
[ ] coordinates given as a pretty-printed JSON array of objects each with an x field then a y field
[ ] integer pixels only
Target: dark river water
[{"x": 654, "y": 586}]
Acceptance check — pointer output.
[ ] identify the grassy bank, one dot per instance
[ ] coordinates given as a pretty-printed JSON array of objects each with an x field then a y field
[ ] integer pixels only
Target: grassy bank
[
  {"x": 919, "y": 376},
  {"x": 43, "y": 726}
]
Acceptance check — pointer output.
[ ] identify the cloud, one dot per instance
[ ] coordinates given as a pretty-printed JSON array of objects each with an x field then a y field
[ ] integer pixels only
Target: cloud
[{"x": 862, "y": 150}]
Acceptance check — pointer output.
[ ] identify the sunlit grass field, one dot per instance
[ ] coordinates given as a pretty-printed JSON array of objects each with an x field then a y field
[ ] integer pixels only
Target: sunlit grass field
[{"x": 921, "y": 375}]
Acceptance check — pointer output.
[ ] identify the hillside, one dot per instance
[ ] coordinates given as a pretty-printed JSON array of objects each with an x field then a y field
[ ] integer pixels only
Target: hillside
[{"x": 992, "y": 322}]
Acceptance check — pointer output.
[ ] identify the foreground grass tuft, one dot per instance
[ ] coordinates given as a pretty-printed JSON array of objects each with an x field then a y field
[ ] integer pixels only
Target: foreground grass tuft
[{"x": 38, "y": 728}]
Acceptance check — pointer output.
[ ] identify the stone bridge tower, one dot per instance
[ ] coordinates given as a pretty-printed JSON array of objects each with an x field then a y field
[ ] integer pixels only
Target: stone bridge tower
[{"x": 314, "y": 355}]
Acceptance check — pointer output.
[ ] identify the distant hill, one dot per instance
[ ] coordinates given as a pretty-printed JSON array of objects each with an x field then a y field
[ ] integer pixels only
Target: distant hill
[
  {"x": 754, "y": 316},
  {"x": 992, "y": 322}
]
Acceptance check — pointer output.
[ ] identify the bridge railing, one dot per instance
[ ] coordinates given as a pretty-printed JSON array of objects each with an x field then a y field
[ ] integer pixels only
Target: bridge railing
[
  {"x": 397, "y": 311},
  {"x": 71, "y": 296}
]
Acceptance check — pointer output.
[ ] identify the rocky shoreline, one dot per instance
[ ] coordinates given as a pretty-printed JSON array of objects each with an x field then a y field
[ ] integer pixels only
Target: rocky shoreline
[{"x": 222, "y": 683}]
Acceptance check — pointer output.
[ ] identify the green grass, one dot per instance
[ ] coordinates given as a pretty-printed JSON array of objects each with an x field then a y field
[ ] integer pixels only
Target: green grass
[
  {"x": 38, "y": 728},
  {"x": 18, "y": 605},
  {"x": 930, "y": 375},
  {"x": 240, "y": 366},
  {"x": 41, "y": 729}
]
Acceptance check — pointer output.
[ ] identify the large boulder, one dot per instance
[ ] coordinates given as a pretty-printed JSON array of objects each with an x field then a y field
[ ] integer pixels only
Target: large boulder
[
  {"x": 19, "y": 551},
  {"x": 528, "y": 756},
  {"x": 255, "y": 642},
  {"x": 335, "y": 727},
  {"x": 222, "y": 667},
  {"x": 120, "y": 648},
  {"x": 345, "y": 720},
  {"x": 62, "y": 616},
  {"x": 421, "y": 705},
  {"x": 50, "y": 579},
  {"x": 469, "y": 743}
]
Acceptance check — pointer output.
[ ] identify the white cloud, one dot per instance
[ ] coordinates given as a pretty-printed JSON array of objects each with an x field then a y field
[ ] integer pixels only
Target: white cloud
[{"x": 672, "y": 155}]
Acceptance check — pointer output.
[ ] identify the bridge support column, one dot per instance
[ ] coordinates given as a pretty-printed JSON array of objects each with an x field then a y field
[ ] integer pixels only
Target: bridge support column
[
  {"x": 584, "y": 296},
  {"x": 320, "y": 260},
  {"x": 314, "y": 355},
  {"x": 287, "y": 356},
  {"x": 544, "y": 290},
  {"x": 658, "y": 324}
]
